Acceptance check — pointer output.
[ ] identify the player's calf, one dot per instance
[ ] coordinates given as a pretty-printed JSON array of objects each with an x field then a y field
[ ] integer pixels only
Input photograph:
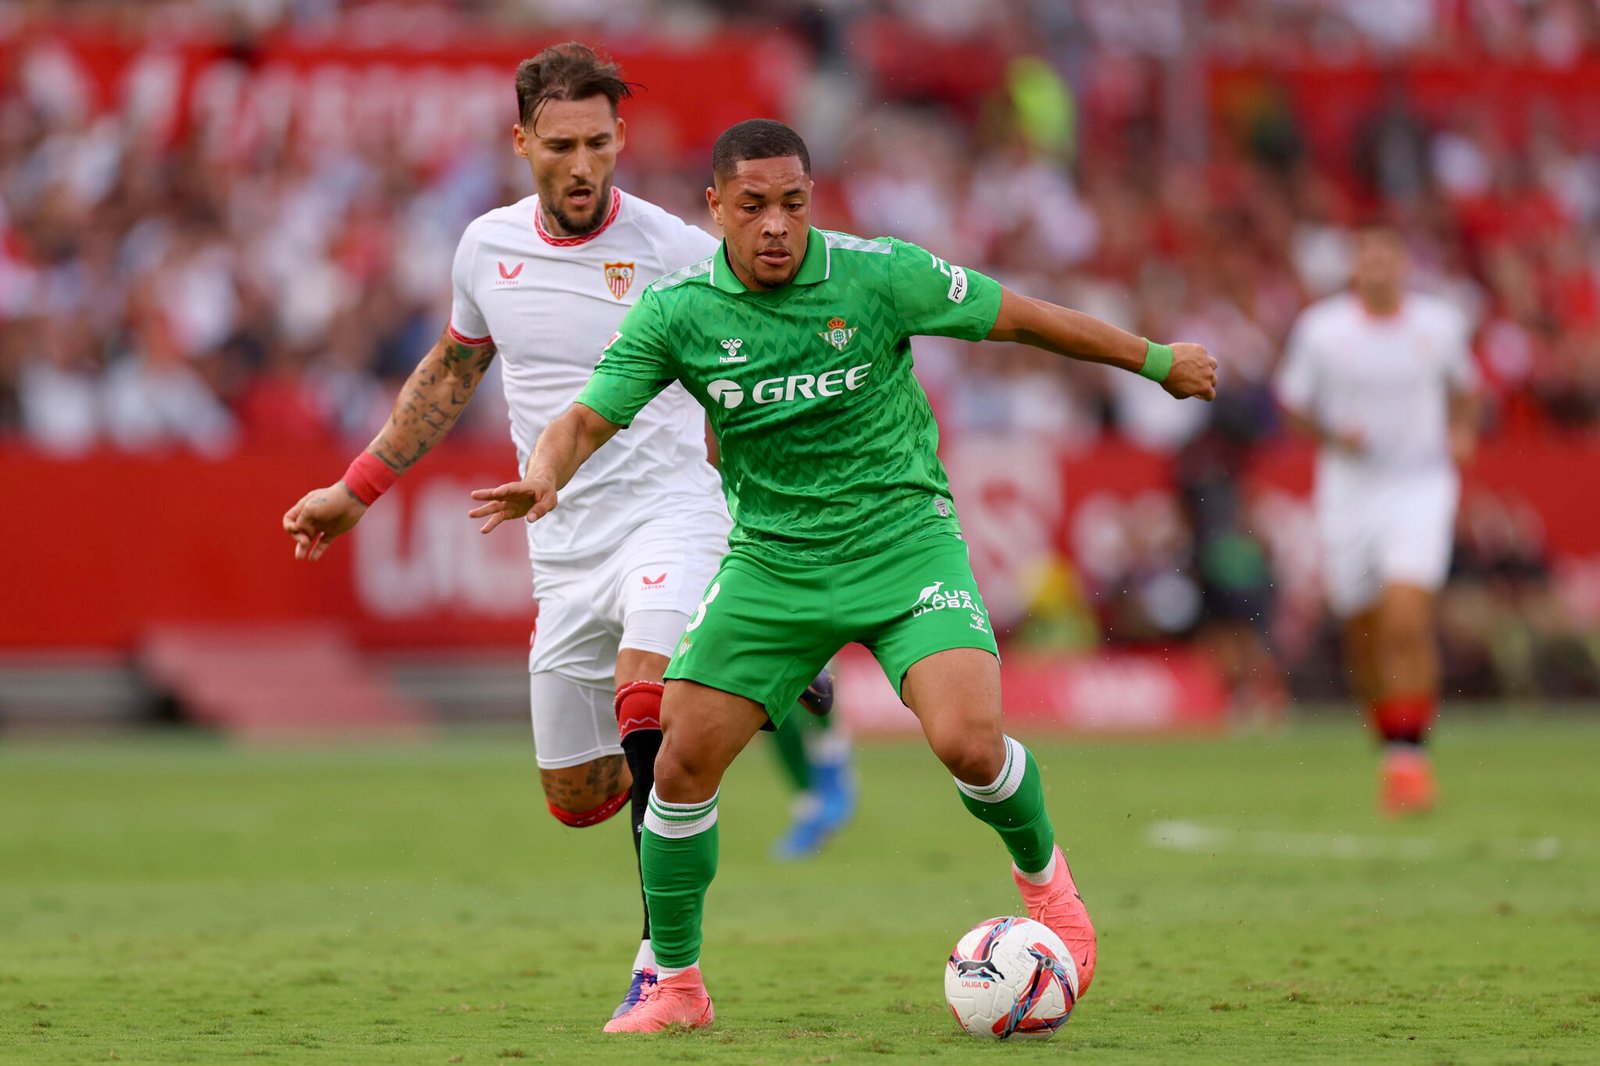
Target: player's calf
[{"x": 587, "y": 794}]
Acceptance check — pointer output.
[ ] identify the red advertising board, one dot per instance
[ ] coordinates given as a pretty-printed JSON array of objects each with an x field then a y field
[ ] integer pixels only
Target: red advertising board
[
  {"x": 179, "y": 539},
  {"x": 104, "y": 547},
  {"x": 431, "y": 92},
  {"x": 1116, "y": 692},
  {"x": 1331, "y": 101}
]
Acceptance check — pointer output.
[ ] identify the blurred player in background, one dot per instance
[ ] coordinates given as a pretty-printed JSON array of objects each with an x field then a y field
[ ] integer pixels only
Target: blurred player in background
[
  {"x": 1384, "y": 380},
  {"x": 845, "y": 527},
  {"x": 814, "y": 753},
  {"x": 544, "y": 283}
]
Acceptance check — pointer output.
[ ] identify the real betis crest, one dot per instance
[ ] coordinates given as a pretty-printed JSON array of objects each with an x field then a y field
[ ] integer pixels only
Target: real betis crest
[{"x": 837, "y": 333}]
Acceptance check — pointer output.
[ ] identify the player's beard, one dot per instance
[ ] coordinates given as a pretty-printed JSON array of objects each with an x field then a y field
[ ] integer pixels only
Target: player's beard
[{"x": 572, "y": 227}]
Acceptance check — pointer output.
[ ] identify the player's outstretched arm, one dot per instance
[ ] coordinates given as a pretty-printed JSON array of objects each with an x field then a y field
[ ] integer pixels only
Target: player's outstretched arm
[
  {"x": 431, "y": 400},
  {"x": 562, "y": 448},
  {"x": 1041, "y": 324}
]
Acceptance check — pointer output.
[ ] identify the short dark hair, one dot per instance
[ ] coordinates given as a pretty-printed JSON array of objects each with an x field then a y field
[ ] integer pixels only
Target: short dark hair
[
  {"x": 570, "y": 71},
  {"x": 756, "y": 138}
]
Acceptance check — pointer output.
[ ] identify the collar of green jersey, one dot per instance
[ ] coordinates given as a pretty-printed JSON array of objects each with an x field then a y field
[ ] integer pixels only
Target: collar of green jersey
[{"x": 813, "y": 268}]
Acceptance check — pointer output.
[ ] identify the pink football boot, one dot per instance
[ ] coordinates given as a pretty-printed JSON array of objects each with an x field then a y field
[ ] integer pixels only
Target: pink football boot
[
  {"x": 1059, "y": 906},
  {"x": 679, "y": 1000}
]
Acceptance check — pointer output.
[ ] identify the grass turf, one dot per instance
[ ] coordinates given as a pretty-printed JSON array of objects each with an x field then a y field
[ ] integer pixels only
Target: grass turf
[{"x": 177, "y": 900}]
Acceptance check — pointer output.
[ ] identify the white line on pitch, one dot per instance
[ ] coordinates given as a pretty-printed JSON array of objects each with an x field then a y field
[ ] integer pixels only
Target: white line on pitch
[{"x": 1194, "y": 837}]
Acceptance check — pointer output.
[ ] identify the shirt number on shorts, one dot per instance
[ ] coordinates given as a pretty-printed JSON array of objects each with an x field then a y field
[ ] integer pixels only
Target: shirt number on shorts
[{"x": 700, "y": 611}]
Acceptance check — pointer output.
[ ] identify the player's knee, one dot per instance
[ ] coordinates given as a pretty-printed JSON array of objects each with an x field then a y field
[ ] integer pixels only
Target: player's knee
[
  {"x": 976, "y": 755},
  {"x": 675, "y": 766},
  {"x": 582, "y": 819},
  {"x": 686, "y": 772}
]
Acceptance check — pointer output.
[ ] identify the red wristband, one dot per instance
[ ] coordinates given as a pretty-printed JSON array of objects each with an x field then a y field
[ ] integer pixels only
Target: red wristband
[{"x": 369, "y": 477}]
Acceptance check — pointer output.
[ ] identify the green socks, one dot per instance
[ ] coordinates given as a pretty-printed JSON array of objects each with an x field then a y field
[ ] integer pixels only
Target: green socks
[
  {"x": 1013, "y": 804},
  {"x": 678, "y": 857}
]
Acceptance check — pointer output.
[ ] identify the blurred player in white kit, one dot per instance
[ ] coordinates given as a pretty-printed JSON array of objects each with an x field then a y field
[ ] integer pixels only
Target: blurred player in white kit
[
  {"x": 1383, "y": 378},
  {"x": 544, "y": 283}
]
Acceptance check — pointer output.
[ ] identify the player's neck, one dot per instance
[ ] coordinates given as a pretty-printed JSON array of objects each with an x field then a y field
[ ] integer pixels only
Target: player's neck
[{"x": 1380, "y": 304}]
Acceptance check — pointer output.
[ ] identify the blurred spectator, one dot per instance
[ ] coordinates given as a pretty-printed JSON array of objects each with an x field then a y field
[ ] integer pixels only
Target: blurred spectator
[{"x": 1506, "y": 630}]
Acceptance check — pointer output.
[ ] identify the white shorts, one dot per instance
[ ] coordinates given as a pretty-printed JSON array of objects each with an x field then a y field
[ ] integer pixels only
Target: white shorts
[
  {"x": 638, "y": 594},
  {"x": 1394, "y": 530}
]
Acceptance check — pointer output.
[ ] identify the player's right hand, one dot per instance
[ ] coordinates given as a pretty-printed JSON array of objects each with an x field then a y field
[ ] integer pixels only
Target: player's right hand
[
  {"x": 319, "y": 517},
  {"x": 1193, "y": 373},
  {"x": 533, "y": 496}
]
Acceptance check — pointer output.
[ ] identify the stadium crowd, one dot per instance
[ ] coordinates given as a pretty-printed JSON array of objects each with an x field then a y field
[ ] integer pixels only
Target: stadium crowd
[{"x": 179, "y": 296}]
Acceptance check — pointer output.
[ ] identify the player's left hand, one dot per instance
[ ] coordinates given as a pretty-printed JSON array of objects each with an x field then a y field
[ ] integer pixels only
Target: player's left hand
[
  {"x": 1193, "y": 373},
  {"x": 534, "y": 497}
]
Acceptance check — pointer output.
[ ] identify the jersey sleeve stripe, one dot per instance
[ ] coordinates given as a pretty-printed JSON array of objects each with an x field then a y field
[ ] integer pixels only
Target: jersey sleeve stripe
[
  {"x": 678, "y": 277},
  {"x": 850, "y": 242},
  {"x": 464, "y": 339}
]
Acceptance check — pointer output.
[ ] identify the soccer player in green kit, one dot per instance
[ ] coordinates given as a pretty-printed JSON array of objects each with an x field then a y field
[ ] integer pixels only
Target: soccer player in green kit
[{"x": 796, "y": 342}]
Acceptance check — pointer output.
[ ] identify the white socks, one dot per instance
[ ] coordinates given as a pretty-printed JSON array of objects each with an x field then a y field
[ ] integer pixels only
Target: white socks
[{"x": 1044, "y": 876}]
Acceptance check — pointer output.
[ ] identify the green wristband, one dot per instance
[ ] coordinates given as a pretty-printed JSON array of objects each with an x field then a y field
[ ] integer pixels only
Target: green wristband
[{"x": 1157, "y": 361}]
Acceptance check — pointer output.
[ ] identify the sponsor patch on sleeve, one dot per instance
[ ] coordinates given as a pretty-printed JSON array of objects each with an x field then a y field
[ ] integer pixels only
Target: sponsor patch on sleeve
[{"x": 958, "y": 284}]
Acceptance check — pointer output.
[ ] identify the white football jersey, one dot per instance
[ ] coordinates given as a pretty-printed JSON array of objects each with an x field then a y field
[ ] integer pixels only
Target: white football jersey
[
  {"x": 551, "y": 305},
  {"x": 1386, "y": 377}
]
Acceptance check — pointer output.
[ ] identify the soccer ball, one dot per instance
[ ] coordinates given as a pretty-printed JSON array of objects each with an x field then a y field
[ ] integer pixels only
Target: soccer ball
[{"x": 1011, "y": 978}]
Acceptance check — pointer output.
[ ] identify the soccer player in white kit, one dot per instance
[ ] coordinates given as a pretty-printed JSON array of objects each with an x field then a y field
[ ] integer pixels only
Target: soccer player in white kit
[
  {"x": 544, "y": 283},
  {"x": 1383, "y": 378}
]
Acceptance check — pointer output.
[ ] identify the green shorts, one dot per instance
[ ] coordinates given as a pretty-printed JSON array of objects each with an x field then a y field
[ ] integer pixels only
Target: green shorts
[{"x": 764, "y": 629}]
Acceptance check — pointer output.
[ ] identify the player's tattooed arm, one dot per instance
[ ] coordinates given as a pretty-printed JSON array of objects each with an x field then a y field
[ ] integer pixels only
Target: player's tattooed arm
[{"x": 431, "y": 401}]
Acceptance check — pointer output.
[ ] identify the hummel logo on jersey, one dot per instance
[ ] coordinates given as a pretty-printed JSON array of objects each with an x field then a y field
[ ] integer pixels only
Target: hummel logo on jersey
[
  {"x": 619, "y": 277},
  {"x": 732, "y": 346},
  {"x": 730, "y": 394},
  {"x": 508, "y": 277},
  {"x": 653, "y": 583},
  {"x": 837, "y": 333}
]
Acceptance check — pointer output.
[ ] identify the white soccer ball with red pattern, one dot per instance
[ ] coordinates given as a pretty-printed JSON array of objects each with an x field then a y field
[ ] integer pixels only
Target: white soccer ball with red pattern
[{"x": 1011, "y": 979}]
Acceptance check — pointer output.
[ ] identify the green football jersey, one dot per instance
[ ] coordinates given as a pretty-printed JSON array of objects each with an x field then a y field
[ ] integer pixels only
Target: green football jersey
[{"x": 829, "y": 448}]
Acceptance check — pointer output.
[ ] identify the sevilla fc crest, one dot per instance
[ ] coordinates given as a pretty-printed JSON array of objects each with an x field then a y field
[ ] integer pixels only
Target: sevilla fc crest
[
  {"x": 837, "y": 334},
  {"x": 619, "y": 278}
]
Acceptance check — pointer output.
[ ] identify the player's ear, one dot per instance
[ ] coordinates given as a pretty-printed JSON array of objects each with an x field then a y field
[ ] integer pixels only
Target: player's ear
[
  {"x": 622, "y": 134},
  {"x": 714, "y": 202},
  {"x": 519, "y": 140}
]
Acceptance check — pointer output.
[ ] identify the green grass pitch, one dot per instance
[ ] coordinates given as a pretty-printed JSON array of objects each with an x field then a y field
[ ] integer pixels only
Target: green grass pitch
[{"x": 180, "y": 900}]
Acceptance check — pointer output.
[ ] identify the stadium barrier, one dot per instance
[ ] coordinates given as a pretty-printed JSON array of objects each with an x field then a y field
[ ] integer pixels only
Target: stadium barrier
[
  {"x": 157, "y": 543},
  {"x": 176, "y": 539}
]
